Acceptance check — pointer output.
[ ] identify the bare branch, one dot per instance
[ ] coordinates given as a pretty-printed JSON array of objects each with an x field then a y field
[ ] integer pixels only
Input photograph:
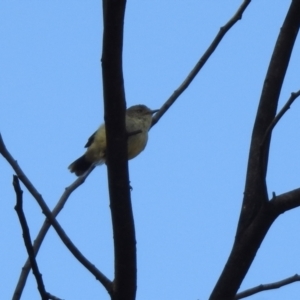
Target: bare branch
[
  {"x": 268, "y": 286},
  {"x": 269, "y": 130},
  {"x": 257, "y": 213},
  {"x": 286, "y": 201},
  {"x": 43, "y": 231},
  {"x": 117, "y": 164},
  {"x": 61, "y": 233},
  {"x": 223, "y": 30},
  {"x": 27, "y": 239},
  {"x": 255, "y": 188}
]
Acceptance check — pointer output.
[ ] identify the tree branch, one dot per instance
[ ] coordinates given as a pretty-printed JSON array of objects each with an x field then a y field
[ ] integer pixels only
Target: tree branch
[
  {"x": 46, "y": 211},
  {"x": 223, "y": 30},
  {"x": 255, "y": 188},
  {"x": 27, "y": 239},
  {"x": 287, "y": 106},
  {"x": 257, "y": 213},
  {"x": 43, "y": 231},
  {"x": 117, "y": 164},
  {"x": 284, "y": 202},
  {"x": 266, "y": 287}
]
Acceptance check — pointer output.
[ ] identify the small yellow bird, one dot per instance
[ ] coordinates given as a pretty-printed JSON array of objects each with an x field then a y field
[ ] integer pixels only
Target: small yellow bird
[{"x": 138, "y": 121}]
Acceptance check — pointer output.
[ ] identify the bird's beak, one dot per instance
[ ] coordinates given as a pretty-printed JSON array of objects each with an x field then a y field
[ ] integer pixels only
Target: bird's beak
[{"x": 154, "y": 111}]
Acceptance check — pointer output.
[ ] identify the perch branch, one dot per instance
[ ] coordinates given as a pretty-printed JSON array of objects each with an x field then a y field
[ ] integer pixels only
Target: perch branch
[{"x": 223, "y": 30}]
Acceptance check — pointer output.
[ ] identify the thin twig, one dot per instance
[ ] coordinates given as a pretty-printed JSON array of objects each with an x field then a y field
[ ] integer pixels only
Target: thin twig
[
  {"x": 269, "y": 286},
  {"x": 59, "y": 230},
  {"x": 223, "y": 30},
  {"x": 27, "y": 239},
  {"x": 43, "y": 231},
  {"x": 288, "y": 104}
]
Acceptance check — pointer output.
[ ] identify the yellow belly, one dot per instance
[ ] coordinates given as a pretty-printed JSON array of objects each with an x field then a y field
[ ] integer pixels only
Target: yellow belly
[
  {"x": 97, "y": 150},
  {"x": 136, "y": 144}
]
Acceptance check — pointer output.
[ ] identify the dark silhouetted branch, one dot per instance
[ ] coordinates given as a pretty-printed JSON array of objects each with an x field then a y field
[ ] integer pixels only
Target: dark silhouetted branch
[
  {"x": 210, "y": 50},
  {"x": 117, "y": 164},
  {"x": 43, "y": 231},
  {"x": 292, "y": 98},
  {"x": 27, "y": 239},
  {"x": 61, "y": 233},
  {"x": 255, "y": 187},
  {"x": 266, "y": 287},
  {"x": 257, "y": 213},
  {"x": 284, "y": 202}
]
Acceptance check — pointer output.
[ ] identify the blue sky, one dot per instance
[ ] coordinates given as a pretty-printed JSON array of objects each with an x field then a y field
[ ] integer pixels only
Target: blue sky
[{"x": 188, "y": 183}]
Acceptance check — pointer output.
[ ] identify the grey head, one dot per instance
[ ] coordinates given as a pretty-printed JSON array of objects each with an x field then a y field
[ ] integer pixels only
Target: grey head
[{"x": 140, "y": 110}]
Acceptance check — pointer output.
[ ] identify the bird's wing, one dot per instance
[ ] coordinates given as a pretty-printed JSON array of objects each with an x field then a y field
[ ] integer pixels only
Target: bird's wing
[{"x": 90, "y": 140}]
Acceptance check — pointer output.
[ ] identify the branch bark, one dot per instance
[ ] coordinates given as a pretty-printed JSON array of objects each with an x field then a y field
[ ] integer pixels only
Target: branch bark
[{"x": 117, "y": 164}]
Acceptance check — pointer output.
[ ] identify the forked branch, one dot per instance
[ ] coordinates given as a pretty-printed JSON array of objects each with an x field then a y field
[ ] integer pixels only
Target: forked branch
[
  {"x": 257, "y": 213},
  {"x": 59, "y": 230},
  {"x": 43, "y": 231},
  {"x": 285, "y": 108},
  {"x": 27, "y": 239}
]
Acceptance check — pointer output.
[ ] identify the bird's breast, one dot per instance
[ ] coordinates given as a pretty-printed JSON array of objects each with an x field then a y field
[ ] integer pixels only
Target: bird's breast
[{"x": 136, "y": 144}]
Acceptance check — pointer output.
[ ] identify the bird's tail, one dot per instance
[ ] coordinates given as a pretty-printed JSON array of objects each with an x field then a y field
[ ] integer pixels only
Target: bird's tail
[{"x": 80, "y": 165}]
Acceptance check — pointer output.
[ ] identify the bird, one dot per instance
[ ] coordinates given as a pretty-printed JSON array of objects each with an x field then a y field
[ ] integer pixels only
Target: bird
[{"x": 138, "y": 121}]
